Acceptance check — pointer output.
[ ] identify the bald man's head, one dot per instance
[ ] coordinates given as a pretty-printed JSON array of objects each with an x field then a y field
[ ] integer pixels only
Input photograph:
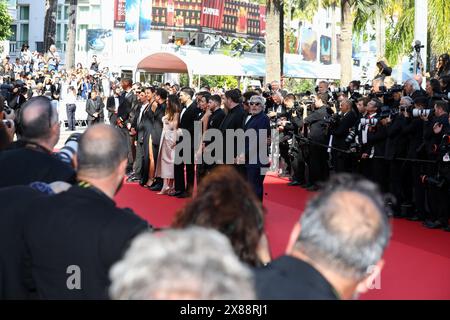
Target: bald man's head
[
  {"x": 38, "y": 118},
  {"x": 345, "y": 228},
  {"x": 101, "y": 150}
]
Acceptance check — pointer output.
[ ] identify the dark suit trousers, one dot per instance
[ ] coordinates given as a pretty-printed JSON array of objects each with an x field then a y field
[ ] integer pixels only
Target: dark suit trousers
[
  {"x": 182, "y": 184},
  {"x": 256, "y": 180},
  {"x": 128, "y": 139},
  {"x": 70, "y": 110},
  {"x": 137, "y": 167},
  {"x": 318, "y": 166}
]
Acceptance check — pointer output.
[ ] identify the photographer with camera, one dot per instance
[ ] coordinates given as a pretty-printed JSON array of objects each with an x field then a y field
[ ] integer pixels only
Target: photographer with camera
[
  {"x": 437, "y": 192},
  {"x": 318, "y": 137},
  {"x": 347, "y": 118},
  {"x": 31, "y": 158}
]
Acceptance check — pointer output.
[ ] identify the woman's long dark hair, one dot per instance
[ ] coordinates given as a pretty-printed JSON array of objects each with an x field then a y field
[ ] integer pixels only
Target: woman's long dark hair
[
  {"x": 227, "y": 203},
  {"x": 173, "y": 106}
]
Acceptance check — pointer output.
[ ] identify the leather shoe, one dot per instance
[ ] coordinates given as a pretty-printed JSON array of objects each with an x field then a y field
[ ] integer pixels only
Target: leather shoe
[
  {"x": 293, "y": 183},
  {"x": 312, "y": 188},
  {"x": 176, "y": 193},
  {"x": 183, "y": 195},
  {"x": 432, "y": 225},
  {"x": 447, "y": 228},
  {"x": 133, "y": 179},
  {"x": 156, "y": 187}
]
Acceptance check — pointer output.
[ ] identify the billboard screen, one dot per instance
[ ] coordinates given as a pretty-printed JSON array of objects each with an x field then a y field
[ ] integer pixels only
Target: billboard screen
[{"x": 229, "y": 17}]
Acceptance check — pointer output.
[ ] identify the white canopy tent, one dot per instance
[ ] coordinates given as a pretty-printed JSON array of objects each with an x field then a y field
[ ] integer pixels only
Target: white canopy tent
[{"x": 197, "y": 61}]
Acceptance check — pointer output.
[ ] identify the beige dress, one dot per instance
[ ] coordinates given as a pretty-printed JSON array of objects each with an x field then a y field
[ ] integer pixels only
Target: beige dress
[{"x": 166, "y": 156}]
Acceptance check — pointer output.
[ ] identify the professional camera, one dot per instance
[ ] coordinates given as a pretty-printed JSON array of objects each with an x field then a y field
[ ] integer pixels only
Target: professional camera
[
  {"x": 372, "y": 122},
  {"x": 445, "y": 96},
  {"x": 351, "y": 136},
  {"x": 417, "y": 113},
  {"x": 68, "y": 152},
  {"x": 340, "y": 90}
]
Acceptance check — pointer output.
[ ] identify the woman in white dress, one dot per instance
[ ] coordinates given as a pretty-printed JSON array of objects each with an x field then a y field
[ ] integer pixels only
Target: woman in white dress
[{"x": 166, "y": 157}]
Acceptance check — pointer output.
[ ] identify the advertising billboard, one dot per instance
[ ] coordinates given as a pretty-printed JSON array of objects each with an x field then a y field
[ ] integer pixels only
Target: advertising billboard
[
  {"x": 119, "y": 13},
  {"x": 229, "y": 17}
]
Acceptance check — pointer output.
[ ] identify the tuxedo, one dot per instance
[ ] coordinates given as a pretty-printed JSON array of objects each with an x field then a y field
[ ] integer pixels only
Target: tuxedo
[
  {"x": 188, "y": 117},
  {"x": 126, "y": 113},
  {"x": 112, "y": 108}
]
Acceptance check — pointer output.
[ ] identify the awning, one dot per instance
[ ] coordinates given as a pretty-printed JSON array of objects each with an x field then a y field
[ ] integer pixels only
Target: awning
[{"x": 200, "y": 62}]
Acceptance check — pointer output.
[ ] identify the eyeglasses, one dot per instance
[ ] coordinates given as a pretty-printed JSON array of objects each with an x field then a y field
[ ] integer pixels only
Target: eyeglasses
[{"x": 254, "y": 103}]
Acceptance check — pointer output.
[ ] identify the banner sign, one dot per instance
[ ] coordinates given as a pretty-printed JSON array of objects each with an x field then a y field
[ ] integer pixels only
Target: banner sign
[
  {"x": 229, "y": 17},
  {"x": 119, "y": 13}
]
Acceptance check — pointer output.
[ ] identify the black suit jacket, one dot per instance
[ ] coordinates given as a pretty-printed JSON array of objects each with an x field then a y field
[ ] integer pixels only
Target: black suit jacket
[
  {"x": 93, "y": 107},
  {"x": 188, "y": 119},
  {"x": 14, "y": 284},
  {"x": 127, "y": 107},
  {"x": 288, "y": 278},
  {"x": 22, "y": 166},
  {"x": 83, "y": 228},
  {"x": 111, "y": 107},
  {"x": 343, "y": 129}
]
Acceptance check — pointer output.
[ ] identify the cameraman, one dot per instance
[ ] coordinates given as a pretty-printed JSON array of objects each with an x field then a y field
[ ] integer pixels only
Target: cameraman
[
  {"x": 31, "y": 158},
  {"x": 343, "y": 161},
  {"x": 374, "y": 144},
  {"x": 433, "y": 133},
  {"x": 318, "y": 134},
  {"x": 413, "y": 130},
  {"x": 396, "y": 147}
]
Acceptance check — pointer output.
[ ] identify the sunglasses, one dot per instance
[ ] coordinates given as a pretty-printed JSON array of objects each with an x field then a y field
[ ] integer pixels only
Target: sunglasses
[{"x": 254, "y": 103}]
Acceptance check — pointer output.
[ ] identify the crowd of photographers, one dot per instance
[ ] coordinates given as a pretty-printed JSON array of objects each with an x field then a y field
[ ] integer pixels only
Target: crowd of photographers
[{"x": 396, "y": 135}]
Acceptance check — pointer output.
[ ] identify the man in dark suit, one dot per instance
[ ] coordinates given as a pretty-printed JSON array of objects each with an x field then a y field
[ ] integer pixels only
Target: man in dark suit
[
  {"x": 126, "y": 113},
  {"x": 138, "y": 130},
  {"x": 255, "y": 159},
  {"x": 335, "y": 251},
  {"x": 234, "y": 120},
  {"x": 112, "y": 105},
  {"x": 31, "y": 158},
  {"x": 343, "y": 161},
  {"x": 94, "y": 109},
  {"x": 155, "y": 115},
  {"x": 73, "y": 238},
  {"x": 189, "y": 115}
]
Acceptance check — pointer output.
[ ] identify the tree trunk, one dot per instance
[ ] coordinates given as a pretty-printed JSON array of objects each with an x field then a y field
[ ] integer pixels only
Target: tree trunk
[
  {"x": 380, "y": 33},
  {"x": 70, "y": 54},
  {"x": 273, "y": 43},
  {"x": 346, "y": 42},
  {"x": 50, "y": 23},
  {"x": 333, "y": 35}
]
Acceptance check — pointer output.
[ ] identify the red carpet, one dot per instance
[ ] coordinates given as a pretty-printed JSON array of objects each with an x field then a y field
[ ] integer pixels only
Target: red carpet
[{"x": 417, "y": 259}]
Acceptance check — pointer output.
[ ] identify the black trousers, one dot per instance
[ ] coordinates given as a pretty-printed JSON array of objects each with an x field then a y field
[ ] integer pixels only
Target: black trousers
[
  {"x": 256, "y": 179},
  {"x": 70, "y": 110},
  {"x": 299, "y": 168},
  {"x": 318, "y": 164},
  {"x": 182, "y": 184}
]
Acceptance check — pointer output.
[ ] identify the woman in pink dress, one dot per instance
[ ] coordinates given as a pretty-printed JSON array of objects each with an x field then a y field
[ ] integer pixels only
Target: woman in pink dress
[{"x": 166, "y": 157}]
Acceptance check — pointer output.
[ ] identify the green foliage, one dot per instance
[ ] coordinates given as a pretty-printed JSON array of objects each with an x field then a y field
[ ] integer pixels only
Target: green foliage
[
  {"x": 217, "y": 81},
  {"x": 5, "y": 21},
  {"x": 299, "y": 85}
]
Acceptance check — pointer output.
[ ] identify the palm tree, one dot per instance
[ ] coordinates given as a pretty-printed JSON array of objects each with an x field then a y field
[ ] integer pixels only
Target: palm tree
[
  {"x": 70, "y": 54},
  {"x": 50, "y": 23},
  {"x": 400, "y": 30},
  {"x": 274, "y": 40},
  {"x": 355, "y": 15}
]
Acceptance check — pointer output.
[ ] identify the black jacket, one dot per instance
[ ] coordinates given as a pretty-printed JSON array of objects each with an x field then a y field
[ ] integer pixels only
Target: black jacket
[
  {"x": 128, "y": 105},
  {"x": 93, "y": 107},
  {"x": 82, "y": 228},
  {"x": 289, "y": 278},
  {"x": 341, "y": 132},
  {"x": 111, "y": 107},
  {"x": 155, "y": 119},
  {"x": 317, "y": 125},
  {"x": 188, "y": 119},
  {"x": 13, "y": 282},
  {"x": 396, "y": 142},
  {"x": 24, "y": 165}
]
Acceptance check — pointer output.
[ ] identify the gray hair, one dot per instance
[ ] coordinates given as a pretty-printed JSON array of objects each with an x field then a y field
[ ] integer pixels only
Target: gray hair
[
  {"x": 258, "y": 99},
  {"x": 408, "y": 99},
  {"x": 196, "y": 263},
  {"x": 413, "y": 83},
  {"x": 345, "y": 228}
]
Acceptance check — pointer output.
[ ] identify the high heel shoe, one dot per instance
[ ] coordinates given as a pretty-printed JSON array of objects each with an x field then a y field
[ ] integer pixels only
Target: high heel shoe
[{"x": 165, "y": 191}]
